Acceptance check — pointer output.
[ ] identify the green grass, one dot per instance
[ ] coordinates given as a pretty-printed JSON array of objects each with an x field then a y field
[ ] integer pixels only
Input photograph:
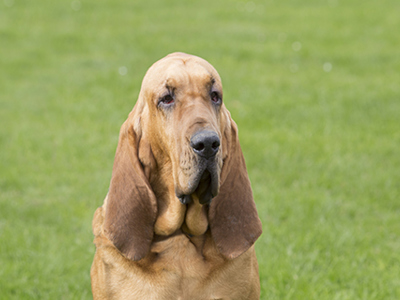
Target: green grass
[{"x": 322, "y": 148}]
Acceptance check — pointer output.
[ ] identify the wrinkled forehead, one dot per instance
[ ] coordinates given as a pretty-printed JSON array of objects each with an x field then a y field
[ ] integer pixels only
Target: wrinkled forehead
[{"x": 181, "y": 70}]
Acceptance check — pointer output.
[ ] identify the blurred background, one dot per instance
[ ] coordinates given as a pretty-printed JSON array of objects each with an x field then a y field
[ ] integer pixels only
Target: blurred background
[{"x": 314, "y": 86}]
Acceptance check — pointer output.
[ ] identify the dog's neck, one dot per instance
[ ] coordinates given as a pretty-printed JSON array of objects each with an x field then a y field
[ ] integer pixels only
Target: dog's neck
[{"x": 172, "y": 215}]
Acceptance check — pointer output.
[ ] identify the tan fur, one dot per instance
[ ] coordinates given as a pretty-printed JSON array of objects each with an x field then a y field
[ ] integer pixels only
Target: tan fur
[{"x": 148, "y": 244}]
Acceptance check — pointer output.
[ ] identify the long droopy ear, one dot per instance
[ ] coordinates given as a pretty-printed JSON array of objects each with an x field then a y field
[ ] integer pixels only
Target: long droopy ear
[
  {"x": 234, "y": 222},
  {"x": 131, "y": 206}
]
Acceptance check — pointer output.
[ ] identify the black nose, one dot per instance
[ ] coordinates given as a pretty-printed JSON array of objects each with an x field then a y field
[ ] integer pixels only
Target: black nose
[{"x": 205, "y": 143}]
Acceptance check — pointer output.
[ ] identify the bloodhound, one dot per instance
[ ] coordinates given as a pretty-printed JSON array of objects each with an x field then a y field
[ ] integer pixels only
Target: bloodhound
[{"x": 179, "y": 220}]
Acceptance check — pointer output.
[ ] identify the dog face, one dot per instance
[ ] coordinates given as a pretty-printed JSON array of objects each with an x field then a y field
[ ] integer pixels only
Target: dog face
[{"x": 186, "y": 123}]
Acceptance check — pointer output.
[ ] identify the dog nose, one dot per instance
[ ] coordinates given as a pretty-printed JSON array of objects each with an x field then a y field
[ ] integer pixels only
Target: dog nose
[{"x": 205, "y": 143}]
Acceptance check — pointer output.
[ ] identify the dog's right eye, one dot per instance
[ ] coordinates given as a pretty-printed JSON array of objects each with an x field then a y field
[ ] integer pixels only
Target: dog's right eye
[{"x": 166, "y": 100}]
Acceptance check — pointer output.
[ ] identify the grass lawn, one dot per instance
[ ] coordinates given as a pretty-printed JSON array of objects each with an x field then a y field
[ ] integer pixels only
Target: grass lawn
[{"x": 313, "y": 85}]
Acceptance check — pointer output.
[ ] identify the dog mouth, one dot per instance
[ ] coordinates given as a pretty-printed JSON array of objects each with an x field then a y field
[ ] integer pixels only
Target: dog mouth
[{"x": 204, "y": 186}]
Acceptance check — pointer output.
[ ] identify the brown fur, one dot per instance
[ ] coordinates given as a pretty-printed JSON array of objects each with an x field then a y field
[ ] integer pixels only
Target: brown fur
[{"x": 148, "y": 244}]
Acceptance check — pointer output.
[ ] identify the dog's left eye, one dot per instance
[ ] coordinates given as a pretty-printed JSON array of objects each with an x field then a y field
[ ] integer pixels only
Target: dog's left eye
[
  {"x": 215, "y": 97},
  {"x": 166, "y": 100}
]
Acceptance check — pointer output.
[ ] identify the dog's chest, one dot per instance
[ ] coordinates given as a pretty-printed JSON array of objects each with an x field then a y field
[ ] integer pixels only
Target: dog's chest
[
  {"x": 185, "y": 256},
  {"x": 181, "y": 267}
]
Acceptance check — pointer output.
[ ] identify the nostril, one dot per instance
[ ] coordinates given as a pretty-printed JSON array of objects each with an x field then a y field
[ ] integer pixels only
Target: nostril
[
  {"x": 215, "y": 145},
  {"x": 199, "y": 146}
]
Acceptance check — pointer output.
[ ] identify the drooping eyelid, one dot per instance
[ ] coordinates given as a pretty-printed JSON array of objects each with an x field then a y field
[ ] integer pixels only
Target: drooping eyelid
[
  {"x": 219, "y": 94},
  {"x": 167, "y": 90},
  {"x": 165, "y": 93},
  {"x": 216, "y": 87}
]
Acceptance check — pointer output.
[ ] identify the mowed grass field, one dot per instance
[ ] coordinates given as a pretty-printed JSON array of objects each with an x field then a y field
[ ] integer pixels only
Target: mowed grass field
[{"x": 313, "y": 85}]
